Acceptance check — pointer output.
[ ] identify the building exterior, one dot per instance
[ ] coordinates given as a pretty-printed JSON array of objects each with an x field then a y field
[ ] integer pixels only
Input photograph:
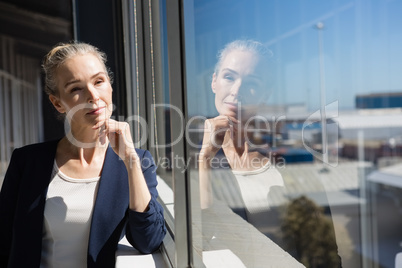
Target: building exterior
[{"x": 379, "y": 100}]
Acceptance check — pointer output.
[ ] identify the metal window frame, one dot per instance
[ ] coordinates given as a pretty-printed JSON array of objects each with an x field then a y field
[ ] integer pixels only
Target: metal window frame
[
  {"x": 181, "y": 182},
  {"x": 141, "y": 26}
]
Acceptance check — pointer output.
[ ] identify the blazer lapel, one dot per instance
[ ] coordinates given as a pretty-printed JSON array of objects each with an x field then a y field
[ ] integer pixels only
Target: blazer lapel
[{"x": 109, "y": 211}]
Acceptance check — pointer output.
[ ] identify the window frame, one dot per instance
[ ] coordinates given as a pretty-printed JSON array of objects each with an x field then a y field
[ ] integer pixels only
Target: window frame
[{"x": 141, "y": 26}]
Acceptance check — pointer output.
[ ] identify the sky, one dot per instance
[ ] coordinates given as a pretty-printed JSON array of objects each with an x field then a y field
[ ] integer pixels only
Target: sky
[{"x": 362, "y": 47}]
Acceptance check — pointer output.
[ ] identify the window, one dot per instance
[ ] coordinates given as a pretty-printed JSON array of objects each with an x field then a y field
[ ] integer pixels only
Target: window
[
  {"x": 20, "y": 99},
  {"x": 324, "y": 110}
]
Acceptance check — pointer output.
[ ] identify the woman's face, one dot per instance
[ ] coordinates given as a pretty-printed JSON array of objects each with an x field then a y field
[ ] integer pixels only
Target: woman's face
[
  {"x": 238, "y": 83},
  {"x": 85, "y": 92}
]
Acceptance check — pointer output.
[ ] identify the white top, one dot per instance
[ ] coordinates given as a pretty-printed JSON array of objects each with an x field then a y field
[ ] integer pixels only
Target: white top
[
  {"x": 254, "y": 187},
  {"x": 67, "y": 220}
]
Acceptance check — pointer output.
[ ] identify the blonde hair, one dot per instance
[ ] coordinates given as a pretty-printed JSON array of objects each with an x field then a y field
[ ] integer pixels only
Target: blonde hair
[
  {"x": 259, "y": 49},
  {"x": 62, "y": 52}
]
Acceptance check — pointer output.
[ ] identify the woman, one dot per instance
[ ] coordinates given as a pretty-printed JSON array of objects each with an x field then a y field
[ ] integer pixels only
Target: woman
[
  {"x": 67, "y": 203},
  {"x": 239, "y": 83},
  {"x": 252, "y": 186}
]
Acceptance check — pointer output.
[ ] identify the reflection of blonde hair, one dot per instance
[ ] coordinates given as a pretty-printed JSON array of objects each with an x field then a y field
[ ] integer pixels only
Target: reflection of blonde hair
[
  {"x": 244, "y": 45},
  {"x": 62, "y": 52}
]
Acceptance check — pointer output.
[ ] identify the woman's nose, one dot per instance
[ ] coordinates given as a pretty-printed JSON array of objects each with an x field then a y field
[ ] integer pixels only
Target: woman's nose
[
  {"x": 236, "y": 88},
  {"x": 93, "y": 94}
]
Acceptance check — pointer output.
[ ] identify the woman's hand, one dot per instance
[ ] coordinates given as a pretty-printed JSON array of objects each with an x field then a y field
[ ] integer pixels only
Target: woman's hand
[
  {"x": 214, "y": 133},
  {"x": 119, "y": 136},
  {"x": 215, "y": 130}
]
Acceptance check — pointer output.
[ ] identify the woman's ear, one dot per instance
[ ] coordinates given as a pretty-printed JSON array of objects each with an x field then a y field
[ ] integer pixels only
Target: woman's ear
[
  {"x": 57, "y": 104},
  {"x": 213, "y": 83}
]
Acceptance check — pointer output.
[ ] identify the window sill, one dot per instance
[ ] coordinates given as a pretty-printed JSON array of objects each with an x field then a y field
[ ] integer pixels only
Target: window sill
[
  {"x": 227, "y": 239},
  {"x": 127, "y": 256}
]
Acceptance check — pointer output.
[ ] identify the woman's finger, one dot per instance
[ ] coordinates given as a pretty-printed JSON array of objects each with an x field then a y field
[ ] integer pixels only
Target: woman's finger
[
  {"x": 113, "y": 126},
  {"x": 119, "y": 133}
]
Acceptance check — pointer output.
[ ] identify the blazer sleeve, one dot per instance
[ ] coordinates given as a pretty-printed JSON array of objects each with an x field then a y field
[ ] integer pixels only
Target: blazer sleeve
[
  {"x": 8, "y": 203},
  {"x": 145, "y": 231}
]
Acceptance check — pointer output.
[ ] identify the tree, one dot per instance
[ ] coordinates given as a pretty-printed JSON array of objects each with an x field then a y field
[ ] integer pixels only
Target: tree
[{"x": 309, "y": 235}]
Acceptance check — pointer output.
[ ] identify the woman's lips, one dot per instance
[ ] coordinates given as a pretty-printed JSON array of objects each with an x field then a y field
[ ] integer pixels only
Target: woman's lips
[
  {"x": 231, "y": 105},
  {"x": 97, "y": 111}
]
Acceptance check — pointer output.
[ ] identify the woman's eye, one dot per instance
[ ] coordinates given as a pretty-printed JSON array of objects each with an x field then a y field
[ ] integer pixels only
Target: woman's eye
[
  {"x": 100, "y": 81},
  {"x": 252, "y": 87},
  {"x": 75, "y": 89},
  {"x": 228, "y": 77}
]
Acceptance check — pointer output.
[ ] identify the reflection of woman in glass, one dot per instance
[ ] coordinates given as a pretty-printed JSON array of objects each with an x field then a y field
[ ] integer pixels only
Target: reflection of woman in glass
[
  {"x": 239, "y": 83},
  {"x": 252, "y": 186}
]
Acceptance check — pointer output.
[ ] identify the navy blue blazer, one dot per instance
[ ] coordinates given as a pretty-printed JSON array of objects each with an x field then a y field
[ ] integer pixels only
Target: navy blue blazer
[{"x": 22, "y": 203}]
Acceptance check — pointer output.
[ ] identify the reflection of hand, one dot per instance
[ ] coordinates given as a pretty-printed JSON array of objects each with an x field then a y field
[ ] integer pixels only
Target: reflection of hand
[
  {"x": 214, "y": 134},
  {"x": 119, "y": 136}
]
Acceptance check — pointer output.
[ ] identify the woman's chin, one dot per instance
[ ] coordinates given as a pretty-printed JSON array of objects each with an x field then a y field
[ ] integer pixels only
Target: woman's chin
[
  {"x": 102, "y": 117},
  {"x": 230, "y": 113},
  {"x": 90, "y": 121}
]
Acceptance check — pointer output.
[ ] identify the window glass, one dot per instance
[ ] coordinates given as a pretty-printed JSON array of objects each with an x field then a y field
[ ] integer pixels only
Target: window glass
[
  {"x": 20, "y": 93},
  {"x": 161, "y": 110},
  {"x": 146, "y": 55},
  {"x": 294, "y": 131}
]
